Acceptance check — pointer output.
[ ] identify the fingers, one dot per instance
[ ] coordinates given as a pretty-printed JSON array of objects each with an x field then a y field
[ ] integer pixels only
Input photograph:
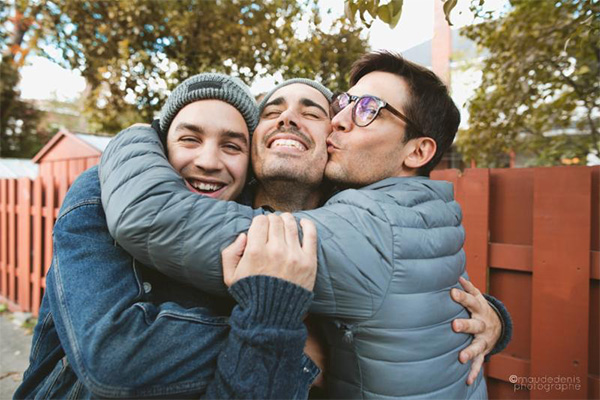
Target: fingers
[
  {"x": 309, "y": 239},
  {"x": 290, "y": 228},
  {"x": 474, "y": 350},
  {"x": 475, "y": 368},
  {"x": 465, "y": 299},
  {"x": 276, "y": 230},
  {"x": 258, "y": 232},
  {"x": 231, "y": 256},
  {"x": 472, "y": 326},
  {"x": 468, "y": 286}
]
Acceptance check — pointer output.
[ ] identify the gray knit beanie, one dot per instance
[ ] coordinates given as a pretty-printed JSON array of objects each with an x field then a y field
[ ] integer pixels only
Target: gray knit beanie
[
  {"x": 314, "y": 84},
  {"x": 210, "y": 86}
]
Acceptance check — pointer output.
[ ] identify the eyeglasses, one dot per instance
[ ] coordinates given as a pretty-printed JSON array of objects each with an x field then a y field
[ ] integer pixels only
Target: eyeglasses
[{"x": 366, "y": 109}]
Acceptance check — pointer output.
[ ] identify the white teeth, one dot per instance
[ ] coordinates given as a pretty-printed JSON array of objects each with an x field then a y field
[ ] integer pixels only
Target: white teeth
[
  {"x": 207, "y": 187},
  {"x": 288, "y": 143}
]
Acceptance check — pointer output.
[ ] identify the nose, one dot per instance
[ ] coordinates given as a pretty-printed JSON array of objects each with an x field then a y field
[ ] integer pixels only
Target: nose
[
  {"x": 287, "y": 118},
  {"x": 208, "y": 158},
  {"x": 342, "y": 121}
]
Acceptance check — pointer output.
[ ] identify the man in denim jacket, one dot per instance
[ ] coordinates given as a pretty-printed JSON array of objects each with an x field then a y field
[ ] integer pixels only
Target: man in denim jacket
[{"x": 111, "y": 327}]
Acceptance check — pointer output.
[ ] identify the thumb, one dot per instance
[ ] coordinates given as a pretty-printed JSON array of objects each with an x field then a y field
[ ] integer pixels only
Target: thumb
[{"x": 230, "y": 257}]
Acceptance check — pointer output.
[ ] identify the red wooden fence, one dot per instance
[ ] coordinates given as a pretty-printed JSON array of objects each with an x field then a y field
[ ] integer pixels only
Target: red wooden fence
[
  {"x": 532, "y": 240},
  {"x": 28, "y": 210}
]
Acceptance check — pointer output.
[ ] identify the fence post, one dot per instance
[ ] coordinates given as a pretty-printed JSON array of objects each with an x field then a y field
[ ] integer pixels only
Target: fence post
[
  {"x": 12, "y": 239},
  {"x": 561, "y": 278},
  {"x": 4, "y": 236},
  {"x": 24, "y": 243},
  {"x": 48, "y": 223},
  {"x": 37, "y": 246}
]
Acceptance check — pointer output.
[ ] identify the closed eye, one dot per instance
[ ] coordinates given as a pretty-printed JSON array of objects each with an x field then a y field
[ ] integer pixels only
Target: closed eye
[
  {"x": 271, "y": 113},
  {"x": 232, "y": 146},
  {"x": 312, "y": 115}
]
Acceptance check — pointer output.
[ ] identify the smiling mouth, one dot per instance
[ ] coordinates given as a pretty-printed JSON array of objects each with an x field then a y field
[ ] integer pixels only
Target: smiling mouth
[
  {"x": 204, "y": 187},
  {"x": 288, "y": 143}
]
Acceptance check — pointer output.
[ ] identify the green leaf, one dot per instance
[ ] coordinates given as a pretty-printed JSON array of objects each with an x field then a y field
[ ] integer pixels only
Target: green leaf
[
  {"x": 383, "y": 12},
  {"x": 448, "y": 6},
  {"x": 350, "y": 9},
  {"x": 397, "y": 13},
  {"x": 397, "y": 6}
]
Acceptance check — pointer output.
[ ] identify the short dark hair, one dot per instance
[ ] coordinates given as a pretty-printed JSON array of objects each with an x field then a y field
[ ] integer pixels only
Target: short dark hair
[{"x": 430, "y": 106}]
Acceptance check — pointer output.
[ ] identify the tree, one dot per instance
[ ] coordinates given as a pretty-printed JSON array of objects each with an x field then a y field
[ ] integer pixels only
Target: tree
[
  {"x": 20, "y": 135},
  {"x": 130, "y": 53},
  {"x": 540, "y": 92}
]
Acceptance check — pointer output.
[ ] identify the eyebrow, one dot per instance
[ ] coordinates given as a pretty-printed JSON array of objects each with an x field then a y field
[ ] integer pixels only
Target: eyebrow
[
  {"x": 275, "y": 102},
  {"x": 235, "y": 135},
  {"x": 189, "y": 127},
  {"x": 304, "y": 101},
  {"x": 309, "y": 103}
]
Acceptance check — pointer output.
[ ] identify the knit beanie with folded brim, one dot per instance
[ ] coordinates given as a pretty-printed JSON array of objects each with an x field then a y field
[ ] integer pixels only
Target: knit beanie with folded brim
[
  {"x": 209, "y": 86},
  {"x": 314, "y": 84}
]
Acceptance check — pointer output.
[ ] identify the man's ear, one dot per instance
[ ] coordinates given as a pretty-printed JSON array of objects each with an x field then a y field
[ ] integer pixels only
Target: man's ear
[{"x": 420, "y": 151}]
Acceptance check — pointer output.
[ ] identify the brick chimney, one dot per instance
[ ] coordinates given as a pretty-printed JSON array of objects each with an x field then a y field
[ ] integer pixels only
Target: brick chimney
[{"x": 441, "y": 45}]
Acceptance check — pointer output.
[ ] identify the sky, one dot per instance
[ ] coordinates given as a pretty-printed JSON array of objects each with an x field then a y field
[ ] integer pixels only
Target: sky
[{"x": 43, "y": 79}]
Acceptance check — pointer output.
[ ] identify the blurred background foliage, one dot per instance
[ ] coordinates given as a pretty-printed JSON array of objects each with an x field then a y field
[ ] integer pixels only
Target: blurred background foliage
[
  {"x": 540, "y": 90},
  {"x": 132, "y": 52},
  {"x": 539, "y": 95}
]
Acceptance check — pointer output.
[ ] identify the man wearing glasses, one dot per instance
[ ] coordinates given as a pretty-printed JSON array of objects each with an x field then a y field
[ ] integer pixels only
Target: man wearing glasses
[{"x": 388, "y": 252}]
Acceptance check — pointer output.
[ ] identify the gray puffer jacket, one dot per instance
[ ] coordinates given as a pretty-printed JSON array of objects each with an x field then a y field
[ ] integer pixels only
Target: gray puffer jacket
[{"x": 388, "y": 255}]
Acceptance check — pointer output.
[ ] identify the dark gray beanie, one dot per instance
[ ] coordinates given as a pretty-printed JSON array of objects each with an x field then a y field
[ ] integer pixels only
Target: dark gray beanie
[
  {"x": 210, "y": 86},
  {"x": 314, "y": 84}
]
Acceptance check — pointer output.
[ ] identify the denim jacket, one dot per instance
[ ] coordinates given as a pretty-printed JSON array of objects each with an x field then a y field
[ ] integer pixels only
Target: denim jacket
[{"x": 111, "y": 327}]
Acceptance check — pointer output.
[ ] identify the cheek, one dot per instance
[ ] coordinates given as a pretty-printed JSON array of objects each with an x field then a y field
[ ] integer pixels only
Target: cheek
[
  {"x": 179, "y": 158},
  {"x": 237, "y": 166},
  {"x": 260, "y": 132}
]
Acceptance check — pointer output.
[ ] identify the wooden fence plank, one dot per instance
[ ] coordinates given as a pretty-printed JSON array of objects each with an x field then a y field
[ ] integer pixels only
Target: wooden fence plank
[
  {"x": 48, "y": 222},
  {"x": 511, "y": 202},
  {"x": 36, "y": 275},
  {"x": 63, "y": 187},
  {"x": 561, "y": 278},
  {"x": 24, "y": 243},
  {"x": 473, "y": 194},
  {"x": 515, "y": 257},
  {"x": 514, "y": 289},
  {"x": 12, "y": 238},
  {"x": 594, "y": 341},
  {"x": 502, "y": 367},
  {"x": 471, "y": 191},
  {"x": 4, "y": 236}
]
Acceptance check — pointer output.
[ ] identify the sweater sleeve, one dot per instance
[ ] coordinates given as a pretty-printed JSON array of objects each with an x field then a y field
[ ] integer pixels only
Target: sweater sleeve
[{"x": 262, "y": 357}]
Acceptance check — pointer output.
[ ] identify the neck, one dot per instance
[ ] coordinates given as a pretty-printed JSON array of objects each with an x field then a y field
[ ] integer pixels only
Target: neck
[{"x": 287, "y": 196}]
